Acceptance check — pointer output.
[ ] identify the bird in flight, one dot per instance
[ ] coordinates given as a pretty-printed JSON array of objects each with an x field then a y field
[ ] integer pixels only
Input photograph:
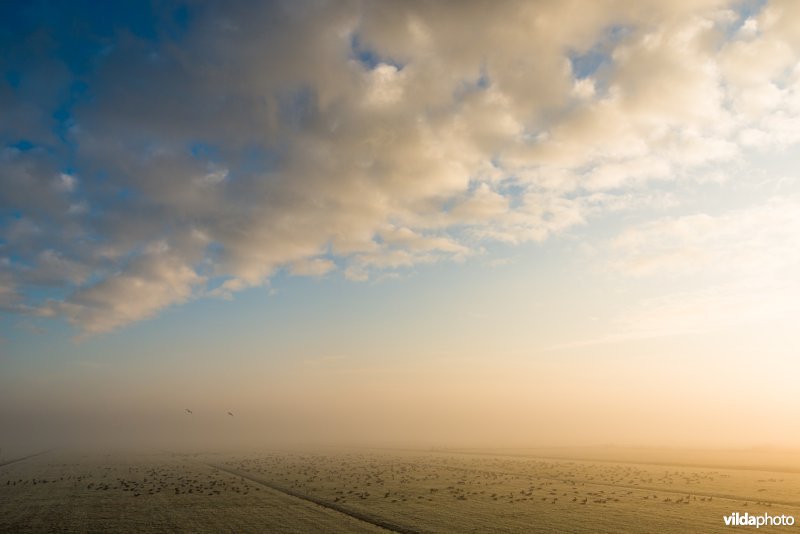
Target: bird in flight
[
  {"x": 188, "y": 410},
  {"x": 229, "y": 413}
]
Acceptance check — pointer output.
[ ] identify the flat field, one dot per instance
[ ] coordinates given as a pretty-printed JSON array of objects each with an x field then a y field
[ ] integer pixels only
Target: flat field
[{"x": 363, "y": 490}]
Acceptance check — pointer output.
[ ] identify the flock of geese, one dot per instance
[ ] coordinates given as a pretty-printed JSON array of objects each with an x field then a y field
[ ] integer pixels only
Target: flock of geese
[{"x": 191, "y": 412}]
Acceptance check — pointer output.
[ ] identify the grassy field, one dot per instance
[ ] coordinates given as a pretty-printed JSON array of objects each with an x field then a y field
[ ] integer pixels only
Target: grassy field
[{"x": 402, "y": 491}]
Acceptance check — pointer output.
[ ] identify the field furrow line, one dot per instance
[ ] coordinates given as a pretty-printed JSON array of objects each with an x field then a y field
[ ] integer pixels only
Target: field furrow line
[
  {"x": 23, "y": 458},
  {"x": 366, "y": 518}
]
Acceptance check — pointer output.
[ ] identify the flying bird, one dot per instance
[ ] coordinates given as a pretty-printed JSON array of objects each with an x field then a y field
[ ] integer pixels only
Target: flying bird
[
  {"x": 229, "y": 413},
  {"x": 188, "y": 410}
]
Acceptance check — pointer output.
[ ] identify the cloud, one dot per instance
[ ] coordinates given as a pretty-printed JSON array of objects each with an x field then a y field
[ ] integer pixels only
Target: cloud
[
  {"x": 312, "y": 267},
  {"x": 375, "y": 136},
  {"x": 736, "y": 268},
  {"x": 481, "y": 205},
  {"x": 8, "y": 293},
  {"x": 156, "y": 279},
  {"x": 715, "y": 308},
  {"x": 757, "y": 241}
]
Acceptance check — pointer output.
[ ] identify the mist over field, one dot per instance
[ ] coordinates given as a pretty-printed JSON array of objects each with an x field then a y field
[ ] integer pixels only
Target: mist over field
[{"x": 547, "y": 404}]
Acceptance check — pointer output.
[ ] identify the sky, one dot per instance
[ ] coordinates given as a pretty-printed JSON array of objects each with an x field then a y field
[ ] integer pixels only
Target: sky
[{"x": 425, "y": 223}]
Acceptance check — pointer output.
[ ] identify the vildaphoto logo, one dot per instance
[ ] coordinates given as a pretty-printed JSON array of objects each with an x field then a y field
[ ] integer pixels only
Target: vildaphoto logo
[{"x": 746, "y": 520}]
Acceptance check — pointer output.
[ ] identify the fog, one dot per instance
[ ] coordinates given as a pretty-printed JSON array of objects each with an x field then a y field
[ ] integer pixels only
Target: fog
[{"x": 546, "y": 403}]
